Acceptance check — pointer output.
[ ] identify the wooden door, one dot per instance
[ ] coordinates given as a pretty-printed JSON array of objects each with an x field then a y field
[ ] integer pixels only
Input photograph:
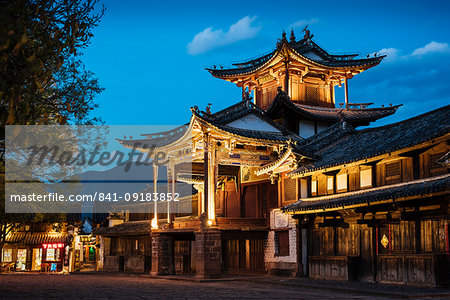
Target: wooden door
[
  {"x": 230, "y": 254},
  {"x": 232, "y": 206},
  {"x": 256, "y": 255},
  {"x": 365, "y": 266},
  {"x": 182, "y": 253},
  {"x": 250, "y": 201}
]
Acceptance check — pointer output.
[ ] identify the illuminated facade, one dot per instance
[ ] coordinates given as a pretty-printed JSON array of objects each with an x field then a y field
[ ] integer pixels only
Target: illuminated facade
[{"x": 248, "y": 164}]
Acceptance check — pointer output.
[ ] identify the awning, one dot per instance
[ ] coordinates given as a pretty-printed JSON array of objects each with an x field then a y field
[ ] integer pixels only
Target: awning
[
  {"x": 37, "y": 238},
  {"x": 127, "y": 228}
]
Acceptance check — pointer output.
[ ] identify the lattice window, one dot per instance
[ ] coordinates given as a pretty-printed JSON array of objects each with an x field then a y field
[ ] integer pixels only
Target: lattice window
[
  {"x": 433, "y": 160},
  {"x": 393, "y": 172},
  {"x": 290, "y": 191},
  {"x": 312, "y": 94},
  {"x": 268, "y": 95}
]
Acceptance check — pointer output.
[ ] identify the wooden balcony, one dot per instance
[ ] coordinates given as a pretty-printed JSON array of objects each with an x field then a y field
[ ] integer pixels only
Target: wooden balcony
[
  {"x": 242, "y": 224},
  {"x": 245, "y": 224}
]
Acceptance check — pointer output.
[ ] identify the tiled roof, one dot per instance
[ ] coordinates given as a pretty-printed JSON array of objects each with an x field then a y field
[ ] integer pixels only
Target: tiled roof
[
  {"x": 243, "y": 108},
  {"x": 300, "y": 47},
  {"x": 326, "y": 137},
  {"x": 234, "y": 112},
  {"x": 373, "y": 195},
  {"x": 354, "y": 116},
  {"x": 157, "y": 139},
  {"x": 36, "y": 238},
  {"x": 349, "y": 114},
  {"x": 371, "y": 142},
  {"x": 220, "y": 120},
  {"x": 126, "y": 228}
]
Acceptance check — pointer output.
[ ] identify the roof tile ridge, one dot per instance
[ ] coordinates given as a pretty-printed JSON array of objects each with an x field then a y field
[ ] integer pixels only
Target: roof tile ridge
[
  {"x": 446, "y": 107},
  {"x": 378, "y": 188}
]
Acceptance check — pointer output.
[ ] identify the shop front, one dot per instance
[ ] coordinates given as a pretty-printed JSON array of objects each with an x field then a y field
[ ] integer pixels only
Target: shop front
[{"x": 38, "y": 252}]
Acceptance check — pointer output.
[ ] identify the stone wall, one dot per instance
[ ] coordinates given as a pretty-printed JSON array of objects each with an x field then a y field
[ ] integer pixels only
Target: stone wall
[
  {"x": 208, "y": 248},
  {"x": 275, "y": 264},
  {"x": 162, "y": 254}
]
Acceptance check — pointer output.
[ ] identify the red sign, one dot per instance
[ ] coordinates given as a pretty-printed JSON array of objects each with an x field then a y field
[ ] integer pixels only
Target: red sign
[{"x": 52, "y": 246}]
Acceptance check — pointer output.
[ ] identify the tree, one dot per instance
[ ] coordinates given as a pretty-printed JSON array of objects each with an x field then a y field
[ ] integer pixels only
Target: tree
[{"x": 42, "y": 77}]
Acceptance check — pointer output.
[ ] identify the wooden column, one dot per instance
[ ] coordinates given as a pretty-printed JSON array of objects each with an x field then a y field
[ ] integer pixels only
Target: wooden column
[
  {"x": 205, "y": 173},
  {"x": 170, "y": 189},
  {"x": 212, "y": 179},
  {"x": 374, "y": 251},
  {"x": 346, "y": 91},
  {"x": 286, "y": 77},
  {"x": 155, "y": 190}
]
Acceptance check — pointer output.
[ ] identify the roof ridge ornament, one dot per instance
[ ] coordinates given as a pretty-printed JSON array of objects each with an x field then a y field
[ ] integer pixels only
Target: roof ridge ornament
[
  {"x": 247, "y": 97},
  {"x": 281, "y": 92},
  {"x": 292, "y": 39},
  {"x": 283, "y": 39},
  {"x": 208, "y": 108},
  {"x": 308, "y": 36}
]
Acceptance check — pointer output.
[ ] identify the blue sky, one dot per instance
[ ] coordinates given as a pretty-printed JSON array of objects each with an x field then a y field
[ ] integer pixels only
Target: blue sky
[{"x": 150, "y": 57}]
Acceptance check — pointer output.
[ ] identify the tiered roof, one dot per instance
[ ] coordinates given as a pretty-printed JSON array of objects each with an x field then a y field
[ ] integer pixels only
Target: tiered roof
[
  {"x": 354, "y": 116},
  {"x": 307, "y": 50}
]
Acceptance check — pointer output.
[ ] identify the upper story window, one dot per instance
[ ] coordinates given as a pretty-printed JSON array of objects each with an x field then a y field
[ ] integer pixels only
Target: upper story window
[
  {"x": 342, "y": 182},
  {"x": 290, "y": 189},
  {"x": 314, "y": 187},
  {"x": 365, "y": 178},
  {"x": 393, "y": 172},
  {"x": 436, "y": 167},
  {"x": 330, "y": 184}
]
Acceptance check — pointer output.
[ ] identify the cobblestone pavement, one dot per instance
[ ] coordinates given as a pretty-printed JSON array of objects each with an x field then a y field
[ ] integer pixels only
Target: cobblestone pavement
[{"x": 26, "y": 286}]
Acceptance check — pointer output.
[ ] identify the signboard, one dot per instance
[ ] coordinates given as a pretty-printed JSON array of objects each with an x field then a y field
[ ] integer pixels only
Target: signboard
[
  {"x": 66, "y": 257},
  {"x": 280, "y": 220},
  {"x": 22, "y": 255},
  {"x": 77, "y": 261},
  {"x": 85, "y": 239},
  {"x": 53, "y": 246},
  {"x": 248, "y": 174}
]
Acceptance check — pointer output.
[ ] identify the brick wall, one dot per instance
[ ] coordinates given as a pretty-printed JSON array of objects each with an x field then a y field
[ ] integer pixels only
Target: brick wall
[{"x": 275, "y": 264}]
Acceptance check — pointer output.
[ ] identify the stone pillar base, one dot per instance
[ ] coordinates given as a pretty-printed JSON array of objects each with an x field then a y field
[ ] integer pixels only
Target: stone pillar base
[{"x": 208, "y": 247}]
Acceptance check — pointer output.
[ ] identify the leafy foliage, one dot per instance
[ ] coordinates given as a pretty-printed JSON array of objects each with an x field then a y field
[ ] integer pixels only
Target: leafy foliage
[{"x": 42, "y": 79}]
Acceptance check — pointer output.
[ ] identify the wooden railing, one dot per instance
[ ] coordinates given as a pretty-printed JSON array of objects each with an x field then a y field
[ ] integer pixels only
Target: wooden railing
[
  {"x": 225, "y": 224},
  {"x": 241, "y": 223},
  {"x": 333, "y": 267}
]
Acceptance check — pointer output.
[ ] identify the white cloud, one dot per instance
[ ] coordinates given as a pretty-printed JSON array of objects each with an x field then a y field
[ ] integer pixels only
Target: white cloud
[
  {"x": 433, "y": 47},
  {"x": 210, "y": 39},
  {"x": 301, "y": 23},
  {"x": 392, "y": 53}
]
